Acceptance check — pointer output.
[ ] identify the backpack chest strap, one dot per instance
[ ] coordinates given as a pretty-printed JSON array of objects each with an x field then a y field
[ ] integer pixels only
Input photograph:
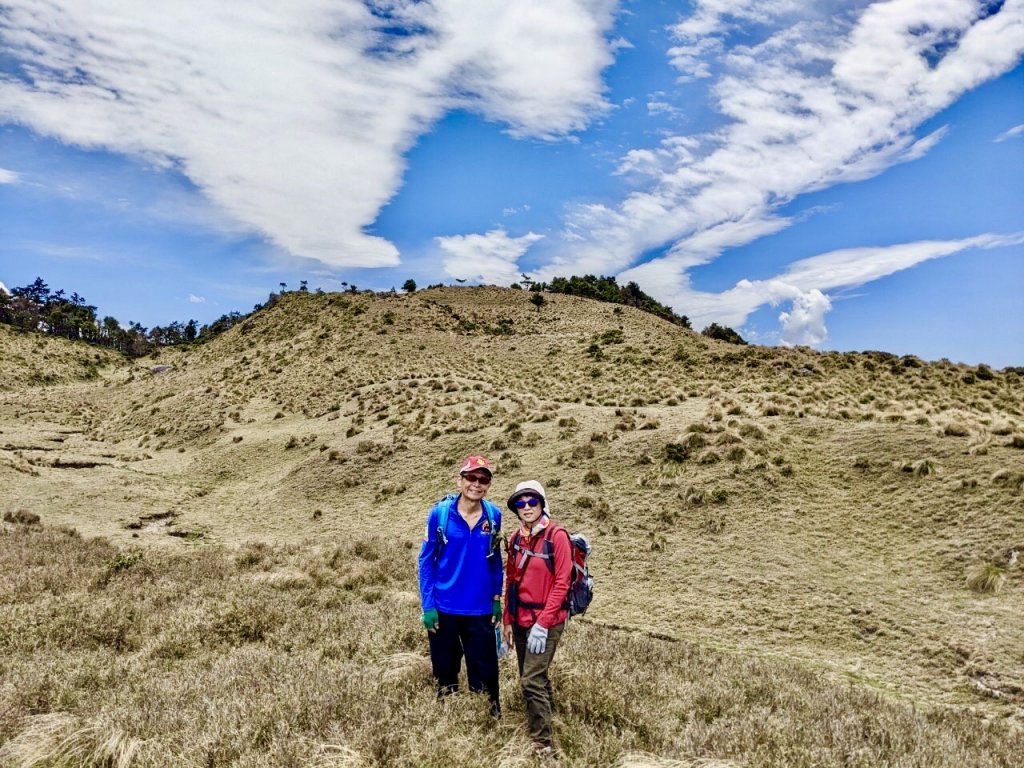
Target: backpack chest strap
[{"x": 546, "y": 553}]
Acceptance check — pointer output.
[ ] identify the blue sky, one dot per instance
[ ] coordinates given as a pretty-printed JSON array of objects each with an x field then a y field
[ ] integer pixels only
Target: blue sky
[{"x": 845, "y": 175}]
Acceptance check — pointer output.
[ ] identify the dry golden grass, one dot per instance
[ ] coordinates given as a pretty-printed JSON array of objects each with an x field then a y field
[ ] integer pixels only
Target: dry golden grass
[
  {"x": 34, "y": 359},
  {"x": 117, "y": 657},
  {"x": 822, "y": 509}
]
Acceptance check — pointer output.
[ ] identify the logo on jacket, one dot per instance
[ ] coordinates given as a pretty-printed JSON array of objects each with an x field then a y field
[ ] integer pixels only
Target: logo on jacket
[{"x": 486, "y": 528}]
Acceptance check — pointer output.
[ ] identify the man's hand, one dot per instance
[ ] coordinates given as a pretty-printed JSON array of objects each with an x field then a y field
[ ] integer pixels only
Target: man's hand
[
  {"x": 506, "y": 633},
  {"x": 431, "y": 620},
  {"x": 537, "y": 640}
]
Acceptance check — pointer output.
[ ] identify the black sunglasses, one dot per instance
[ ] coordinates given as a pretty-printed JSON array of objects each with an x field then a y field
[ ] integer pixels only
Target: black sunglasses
[
  {"x": 530, "y": 501},
  {"x": 479, "y": 479}
]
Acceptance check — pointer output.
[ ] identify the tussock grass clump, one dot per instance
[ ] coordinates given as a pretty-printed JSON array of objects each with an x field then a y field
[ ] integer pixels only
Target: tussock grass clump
[
  {"x": 738, "y": 453},
  {"x": 61, "y": 740},
  {"x": 986, "y": 578},
  {"x": 1009, "y": 478},
  {"x": 696, "y": 497},
  {"x": 713, "y": 522},
  {"x": 752, "y": 431},
  {"x": 599, "y": 508},
  {"x": 21, "y": 517},
  {"x": 710, "y": 456},
  {"x": 919, "y": 468},
  {"x": 955, "y": 429}
]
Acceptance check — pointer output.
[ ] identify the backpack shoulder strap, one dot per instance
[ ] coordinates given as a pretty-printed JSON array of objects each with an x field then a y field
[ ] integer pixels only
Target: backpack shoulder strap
[
  {"x": 492, "y": 514},
  {"x": 491, "y": 511},
  {"x": 549, "y": 546},
  {"x": 546, "y": 552},
  {"x": 444, "y": 510},
  {"x": 493, "y": 519}
]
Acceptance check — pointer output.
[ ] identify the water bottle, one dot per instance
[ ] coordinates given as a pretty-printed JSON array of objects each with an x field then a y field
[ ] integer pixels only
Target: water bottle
[{"x": 499, "y": 643}]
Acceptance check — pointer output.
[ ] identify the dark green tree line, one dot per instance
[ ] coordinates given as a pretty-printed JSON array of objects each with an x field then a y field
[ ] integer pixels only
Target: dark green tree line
[
  {"x": 34, "y": 307},
  {"x": 607, "y": 289}
]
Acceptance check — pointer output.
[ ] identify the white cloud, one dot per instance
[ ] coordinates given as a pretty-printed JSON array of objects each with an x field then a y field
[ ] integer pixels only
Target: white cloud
[
  {"x": 293, "y": 118},
  {"x": 1013, "y": 133},
  {"x": 657, "y": 105},
  {"x": 193, "y": 299},
  {"x": 804, "y": 283},
  {"x": 805, "y": 322},
  {"x": 3, "y": 289},
  {"x": 822, "y": 99},
  {"x": 490, "y": 258},
  {"x": 511, "y": 211},
  {"x": 9, "y": 177}
]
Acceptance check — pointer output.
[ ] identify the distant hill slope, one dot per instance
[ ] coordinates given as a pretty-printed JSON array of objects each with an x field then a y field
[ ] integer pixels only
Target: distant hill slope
[
  {"x": 310, "y": 353},
  {"x": 28, "y": 359},
  {"x": 822, "y": 506}
]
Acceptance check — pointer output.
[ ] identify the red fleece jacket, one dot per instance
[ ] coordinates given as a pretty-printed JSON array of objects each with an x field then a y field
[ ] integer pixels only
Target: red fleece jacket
[{"x": 537, "y": 584}]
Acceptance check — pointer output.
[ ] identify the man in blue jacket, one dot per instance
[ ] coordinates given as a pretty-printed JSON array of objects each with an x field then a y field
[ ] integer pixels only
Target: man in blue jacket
[{"x": 460, "y": 575}]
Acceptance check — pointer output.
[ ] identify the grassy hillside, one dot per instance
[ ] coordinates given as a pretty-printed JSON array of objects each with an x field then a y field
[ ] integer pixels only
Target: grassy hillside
[
  {"x": 30, "y": 359},
  {"x": 852, "y": 516}
]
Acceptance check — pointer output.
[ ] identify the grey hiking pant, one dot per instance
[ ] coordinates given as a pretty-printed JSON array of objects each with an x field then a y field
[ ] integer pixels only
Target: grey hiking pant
[{"x": 536, "y": 685}]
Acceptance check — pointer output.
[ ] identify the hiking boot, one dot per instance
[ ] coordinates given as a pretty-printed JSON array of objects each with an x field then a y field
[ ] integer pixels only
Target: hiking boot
[{"x": 496, "y": 710}]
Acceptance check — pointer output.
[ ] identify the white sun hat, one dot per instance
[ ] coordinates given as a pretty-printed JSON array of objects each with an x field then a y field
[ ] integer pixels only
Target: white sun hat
[{"x": 529, "y": 488}]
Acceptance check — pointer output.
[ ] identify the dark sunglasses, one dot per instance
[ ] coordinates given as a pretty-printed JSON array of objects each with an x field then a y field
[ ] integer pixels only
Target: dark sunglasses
[
  {"x": 530, "y": 501},
  {"x": 478, "y": 479}
]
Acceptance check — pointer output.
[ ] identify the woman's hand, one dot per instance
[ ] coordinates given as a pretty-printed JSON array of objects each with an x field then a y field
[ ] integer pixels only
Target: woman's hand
[{"x": 506, "y": 633}]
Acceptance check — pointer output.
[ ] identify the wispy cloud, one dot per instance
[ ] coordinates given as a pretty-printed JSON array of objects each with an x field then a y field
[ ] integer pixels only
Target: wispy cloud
[
  {"x": 50, "y": 250},
  {"x": 9, "y": 177},
  {"x": 1013, "y": 133},
  {"x": 293, "y": 118},
  {"x": 490, "y": 258},
  {"x": 803, "y": 284},
  {"x": 822, "y": 98},
  {"x": 193, "y": 299}
]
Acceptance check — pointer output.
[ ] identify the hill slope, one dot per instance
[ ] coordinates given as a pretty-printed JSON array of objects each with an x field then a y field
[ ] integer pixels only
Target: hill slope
[{"x": 818, "y": 506}]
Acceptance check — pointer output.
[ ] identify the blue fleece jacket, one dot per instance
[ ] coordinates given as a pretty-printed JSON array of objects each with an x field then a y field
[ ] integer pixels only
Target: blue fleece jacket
[{"x": 464, "y": 575}]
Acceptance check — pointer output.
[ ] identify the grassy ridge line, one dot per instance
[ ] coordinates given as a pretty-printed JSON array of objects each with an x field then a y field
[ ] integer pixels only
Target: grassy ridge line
[
  {"x": 317, "y": 354},
  {"x": 311, "y": 654}
]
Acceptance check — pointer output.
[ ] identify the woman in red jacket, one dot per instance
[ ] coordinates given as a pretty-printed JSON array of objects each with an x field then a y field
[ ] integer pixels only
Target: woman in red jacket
[{"x": 537, "y": 586}]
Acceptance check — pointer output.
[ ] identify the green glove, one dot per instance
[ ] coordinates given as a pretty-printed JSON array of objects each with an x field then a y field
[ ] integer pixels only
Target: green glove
[
  {"x": 496, "y": 612},
  {"x": 431, "y": 620}
]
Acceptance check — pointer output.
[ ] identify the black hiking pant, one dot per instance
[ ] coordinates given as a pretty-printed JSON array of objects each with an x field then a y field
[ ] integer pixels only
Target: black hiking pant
[{"x": 469, "y": 636}]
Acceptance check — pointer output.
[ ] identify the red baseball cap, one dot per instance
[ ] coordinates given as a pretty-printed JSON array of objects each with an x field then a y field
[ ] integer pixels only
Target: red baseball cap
[{"x": 476, "y": 462}]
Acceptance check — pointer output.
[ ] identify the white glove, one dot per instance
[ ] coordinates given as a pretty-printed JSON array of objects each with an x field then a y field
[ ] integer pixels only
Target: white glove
[{"x": 537, "y": 640}]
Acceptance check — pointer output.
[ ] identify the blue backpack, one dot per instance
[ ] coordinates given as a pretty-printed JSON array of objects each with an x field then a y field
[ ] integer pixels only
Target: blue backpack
[{"x": 444, "y": 512}]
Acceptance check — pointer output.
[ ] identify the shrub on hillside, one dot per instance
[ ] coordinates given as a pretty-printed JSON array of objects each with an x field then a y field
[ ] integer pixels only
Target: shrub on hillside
[
  {"x": 676, "y": 452},
  {"x": 722, "y": 333}
]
